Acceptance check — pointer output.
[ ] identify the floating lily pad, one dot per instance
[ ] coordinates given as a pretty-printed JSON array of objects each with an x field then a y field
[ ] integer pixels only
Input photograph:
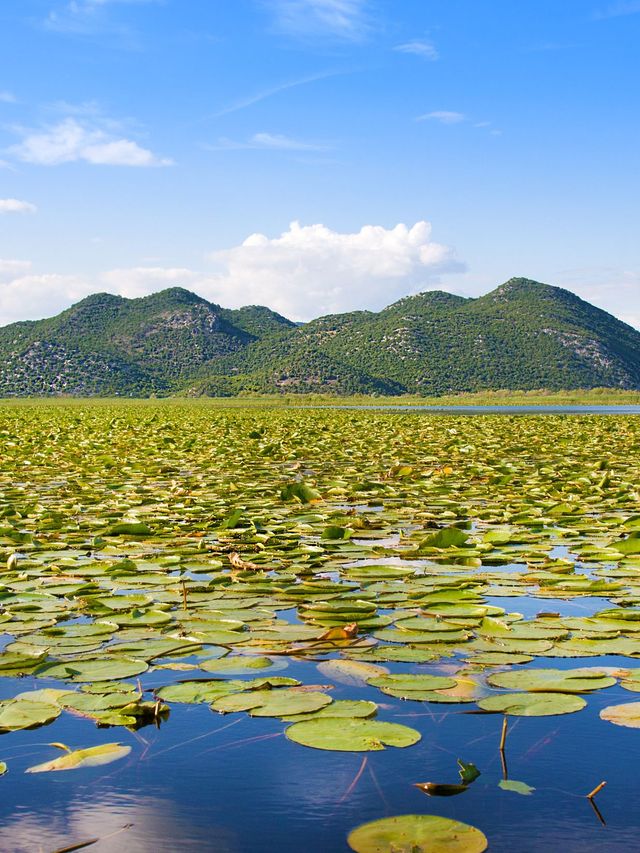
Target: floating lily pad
[
  {"x": 354, "y": 673},
  {"x": 408, "y": 685},
  {"x": 16, "y": 714},
  {"x": 517, "y": 787},
  {"x": 236, "y": 665},
  {"x": 93, "y": 756},
  {"x": 532, "y": 704},
  {"x": 272, "y": 703},
  {"x": 627, "y": 715},
  {"x": 498, "y": 659},
  {"x": 93, "y": 669},
  {"x": 417, "y": 834},
  {"x": 351, "y": 735},
  {"x": 339, "y": 708},
  {"x": 552, "y": 680}
]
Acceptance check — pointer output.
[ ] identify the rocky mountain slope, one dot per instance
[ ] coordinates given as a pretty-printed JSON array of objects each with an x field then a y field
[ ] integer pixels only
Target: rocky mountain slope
[{"x": 522, "y": 335}]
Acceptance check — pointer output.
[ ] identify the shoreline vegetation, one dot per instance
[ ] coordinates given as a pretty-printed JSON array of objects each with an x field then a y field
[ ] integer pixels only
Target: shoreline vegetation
[{"x": 586, "y": 397}]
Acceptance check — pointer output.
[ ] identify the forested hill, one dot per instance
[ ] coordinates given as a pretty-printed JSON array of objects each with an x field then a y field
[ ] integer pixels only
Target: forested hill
[{"x": 522, "y": 335}]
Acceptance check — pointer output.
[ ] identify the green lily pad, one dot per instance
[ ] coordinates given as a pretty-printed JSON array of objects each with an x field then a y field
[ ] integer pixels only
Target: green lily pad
[
  {"x": 13, "y": 663},
  {"x": 93, "y": 669},
  {"x": 516, "y": 787},
  {"x": 498, "y": 659},
  {"x": 272, "y": 703},
  {"x": 235, "y": 665},
  {"x": 351, "y": 735},
  {"x": 16, "y": 714},
  {"x": 417, "y": 834},
  {"x": 129, "y": 528},
  {"x": 405, "y": 685},
  {"x": 339, "y": 708},
  {"x": 552, "y": 680},
  {"x": 532, "y": 704}
]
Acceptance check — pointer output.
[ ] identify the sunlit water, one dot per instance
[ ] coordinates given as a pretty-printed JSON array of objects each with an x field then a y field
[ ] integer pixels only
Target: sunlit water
[{"x": 235, "y": 784}]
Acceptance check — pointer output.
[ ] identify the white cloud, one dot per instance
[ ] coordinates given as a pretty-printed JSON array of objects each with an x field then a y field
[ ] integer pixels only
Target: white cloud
[
  {"x": 14, "y": 205},
  {"x": 305, "y": 272},
  {"x": 7, "y": 97},
  {"x": 71, "y": 141},
  {"x": 268, "y": 142},
  {"x": 133, "y": 282},
  {"x": 31, "y": 297},
  {"x": 341, "y": 19},
  {"x": 618, "y": 10},
  {"x": 10, "y": 269},
  {"x": 311, "y": 270},
  {"x": 443, "y": 116},
  {"x": 425, "y": 49}
]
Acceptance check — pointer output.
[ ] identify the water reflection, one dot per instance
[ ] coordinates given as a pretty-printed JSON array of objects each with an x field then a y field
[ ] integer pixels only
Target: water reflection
[{"x": 120, "y": 822}]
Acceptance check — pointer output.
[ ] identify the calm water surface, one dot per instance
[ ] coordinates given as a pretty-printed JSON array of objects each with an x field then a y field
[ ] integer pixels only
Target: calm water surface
[
  {"x": 235, "y": 784},
  {"x": 503, "y": 410}
]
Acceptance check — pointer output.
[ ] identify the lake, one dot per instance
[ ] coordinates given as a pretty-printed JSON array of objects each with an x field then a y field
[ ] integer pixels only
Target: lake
[{"x": 463, "y": 549}]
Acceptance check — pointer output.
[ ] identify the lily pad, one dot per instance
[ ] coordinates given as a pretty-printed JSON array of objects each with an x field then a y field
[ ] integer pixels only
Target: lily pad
[
  {"x": 516, "y": 787},
  {"x": 16, "y": 714},
  {"x": 532, "y": 704},
  {"x": 350, "y": 672},
  {"x": 417, "y": 834},
  {"x": 408, "y": 685},
  {"x": 351, "y": 735},
  {"x": 93, "y": 756},
  {"x": 339, "y": 708},
  {"x": 93, "y": 669},
  {"x": 272, "y": 703},
  {"x": 627, "y": 715},
  {"x": 552, "y": 680}
]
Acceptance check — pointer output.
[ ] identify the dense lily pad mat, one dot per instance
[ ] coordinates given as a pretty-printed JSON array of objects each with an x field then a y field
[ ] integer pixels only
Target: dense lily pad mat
[{"x": 160, "y": 556}]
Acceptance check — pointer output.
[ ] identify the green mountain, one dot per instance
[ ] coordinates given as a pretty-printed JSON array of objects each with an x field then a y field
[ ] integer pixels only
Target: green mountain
[
  {"x": 110, "y": 345},
  {"x": 523, "y": 335}
]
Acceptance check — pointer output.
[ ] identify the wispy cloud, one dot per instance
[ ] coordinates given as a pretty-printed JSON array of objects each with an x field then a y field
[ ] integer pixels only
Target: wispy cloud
[
  {"x": 550, "y": 46},
  {"x": 70, "y": 141},
  {"x": 9, "y": 269},
  {"x": 7, "y": 97},
  {"x": 345, "y": 20},
  {"x": 424, "y": 49},
  {"x": 617, "y": 10},
  {"x": 443, "y": 116},
  {"x": 91, "y": 18},
  {"x": 268, "y": 142},
  {"x": 450, "y": 117},
  {"x": 15, "y": 205},
  {"x": 250, "y": 100}
]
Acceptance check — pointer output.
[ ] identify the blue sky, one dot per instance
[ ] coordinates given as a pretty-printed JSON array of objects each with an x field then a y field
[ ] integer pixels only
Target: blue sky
[{"x": 317, "y": 155}]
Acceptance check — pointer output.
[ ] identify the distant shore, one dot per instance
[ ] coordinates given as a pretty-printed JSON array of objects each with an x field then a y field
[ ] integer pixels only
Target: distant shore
[{"x": 592, "y": 397}]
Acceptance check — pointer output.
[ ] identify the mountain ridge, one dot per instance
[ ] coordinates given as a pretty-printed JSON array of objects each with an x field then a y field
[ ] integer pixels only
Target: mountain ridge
[{"x": 522, "y": 335}]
